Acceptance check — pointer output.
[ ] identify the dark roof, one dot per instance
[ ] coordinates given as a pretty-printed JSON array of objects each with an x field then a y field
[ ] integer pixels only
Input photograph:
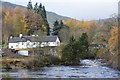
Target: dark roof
[
  {"x": 17, "y": 39},
  {"x": 33, "y": 39},
  {"x": 47, "y": 38}
]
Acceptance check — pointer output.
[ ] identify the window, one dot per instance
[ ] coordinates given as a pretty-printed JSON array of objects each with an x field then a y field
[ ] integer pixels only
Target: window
[
  {"x": 16, "y": 45},
  {"x": 57, "y": 42},
  {"x": 34, "y": 43}
]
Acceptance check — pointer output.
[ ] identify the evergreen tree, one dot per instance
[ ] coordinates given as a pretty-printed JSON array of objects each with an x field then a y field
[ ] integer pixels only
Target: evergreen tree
[
  {"x": 69, "y": 55},
  {"x": 61, "y": 23},
  {"x": 36, "y": 8},
  {"x": 40, "y": 6},
  {"x": 45, "y": 19},
  {"x": 56, "y": 23},
  {"x": 75, "y": 50},
  {"x": 48, "y": 28},
  {"x": 39, "y": 12},
  {"x": 44, "y": 13},
  {"x": 83, "y": 46},
  {"x": 40, "y": 9},
  {"x": 57, "y": 26},
  {"x": 29, "y": 6}
]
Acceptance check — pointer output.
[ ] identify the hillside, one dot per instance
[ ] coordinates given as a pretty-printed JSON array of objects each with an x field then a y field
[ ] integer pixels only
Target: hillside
[{"x": 51, "y": 16}]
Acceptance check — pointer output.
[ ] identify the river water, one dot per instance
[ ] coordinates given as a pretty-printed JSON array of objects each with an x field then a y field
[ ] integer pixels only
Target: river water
[{"x": 89, "y": 69}]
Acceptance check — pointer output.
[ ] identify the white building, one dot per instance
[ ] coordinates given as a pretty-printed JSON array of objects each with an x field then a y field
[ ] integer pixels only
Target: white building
[{"x": 26, "y": 42}]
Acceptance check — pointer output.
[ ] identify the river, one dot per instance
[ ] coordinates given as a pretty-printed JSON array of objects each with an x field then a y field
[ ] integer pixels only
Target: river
[{"x": 89, "y": 69}]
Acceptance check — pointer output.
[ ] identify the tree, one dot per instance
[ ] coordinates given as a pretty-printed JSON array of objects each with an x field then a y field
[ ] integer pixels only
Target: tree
[
  {"x": 76, "y": 50},
  {"x": 113, "y": 45},
  {"x": 61, "y": 23},
  {"x": 18, "y": 21},
  {"x": 34, "y": 22},
  {"x": 36, "y": 8},
  {"x": 56, "y": 23},
  {"x": 113, "y": 41},
  {"x": 7, "y": 25},
  {"x": 83, "y": 46},
  {"x": 57, "y": 27},
  {"x": 91, "y": 33},
  {"x": 68, "y": 53},
  {"x": 48, "y": 29},
  {"x": 86, "y": 26},
  {"x": 40, "y": 9},
  {"x": 44, "y": 13},
  {"x": 46, "y": 22},
  {"x": 29, "y": 6},
  {"x": 64, "y": 35}
]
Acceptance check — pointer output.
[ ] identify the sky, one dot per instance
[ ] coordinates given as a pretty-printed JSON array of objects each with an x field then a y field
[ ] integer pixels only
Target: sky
[{"x": 78, "y": 9}]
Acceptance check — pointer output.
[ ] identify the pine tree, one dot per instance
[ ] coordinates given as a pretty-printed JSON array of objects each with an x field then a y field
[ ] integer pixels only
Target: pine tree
[
  {"x": 61, "y": 23},
  {"x": 57, "y": 26},
  {"x": 40, "y": 9},
  {"x": 29, "y": 6},
  {"x": 36, "y": 8},
  {"x": 44, "y": 13},
  {"x": 69, "y": 55},
  {"x": 75, "y": 50},
  {"x": 56, "y": 23},
  {"x": 83, "y": 46},
  {"x": 45, "y": 19}
]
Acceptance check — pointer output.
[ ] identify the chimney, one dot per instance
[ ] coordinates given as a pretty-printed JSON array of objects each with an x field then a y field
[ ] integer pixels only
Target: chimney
[
  {"x": 20, "y": 35},
  {"x": 11, "y": 37},
  {"x": 33, "y": 35}
]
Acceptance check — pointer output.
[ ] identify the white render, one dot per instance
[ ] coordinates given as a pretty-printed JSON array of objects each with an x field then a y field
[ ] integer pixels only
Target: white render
[
  {"x": 56, "y": 43},
  {"x": 23, "y": 52},
  {"x": 51, "y": 44},
  {"x": 13, "y": 45},
  {"x": 29, "y": 44}
]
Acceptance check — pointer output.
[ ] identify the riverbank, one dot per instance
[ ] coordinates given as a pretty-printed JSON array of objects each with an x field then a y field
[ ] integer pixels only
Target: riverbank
[
  {"x": 89, "y": 69},
  {"x": 31, "y": 62}
]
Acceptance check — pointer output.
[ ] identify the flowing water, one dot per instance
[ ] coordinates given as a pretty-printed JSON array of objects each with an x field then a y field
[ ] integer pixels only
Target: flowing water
[{"x": 89, "y": 69}]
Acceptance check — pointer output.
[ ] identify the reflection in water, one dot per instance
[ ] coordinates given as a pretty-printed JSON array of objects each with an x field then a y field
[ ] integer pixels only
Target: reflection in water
[{"x": 89, "y": 69}]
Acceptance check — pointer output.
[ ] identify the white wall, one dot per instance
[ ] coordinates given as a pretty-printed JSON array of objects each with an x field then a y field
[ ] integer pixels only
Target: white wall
[
  {"x": 13, "y": 45},
  {"x": 29, "y": 44},
  {"x": 58, "y": 41},
  {"x": 23, "y": 52},
  {"x": 22, "y": 44}
]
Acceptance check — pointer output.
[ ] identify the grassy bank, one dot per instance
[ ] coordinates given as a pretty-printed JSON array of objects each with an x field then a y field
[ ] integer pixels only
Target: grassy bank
[{"x": 31, "y": 62}]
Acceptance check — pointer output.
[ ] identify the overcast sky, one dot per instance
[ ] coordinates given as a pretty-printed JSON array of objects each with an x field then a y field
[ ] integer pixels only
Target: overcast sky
[{"x": 79, "y": 9}]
